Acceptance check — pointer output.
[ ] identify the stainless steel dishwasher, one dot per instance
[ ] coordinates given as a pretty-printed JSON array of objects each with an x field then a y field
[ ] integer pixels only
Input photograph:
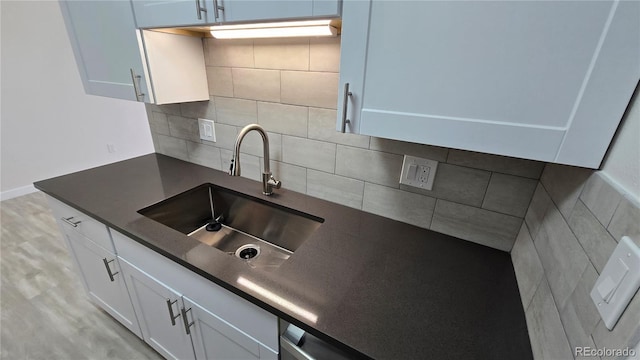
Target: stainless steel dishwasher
[{"x": 297, "y": 344}]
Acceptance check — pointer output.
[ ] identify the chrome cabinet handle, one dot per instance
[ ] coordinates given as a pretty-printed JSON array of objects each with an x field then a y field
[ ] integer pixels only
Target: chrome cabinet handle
[
  {"x": 70, "y": 222},
  {"x": 187, "y": 324},
  {"x": 200, "y": 9},
  {"x": 136, "y": 85},
  {"x": 295, "y": 351},
  {"x": 106, "y": 264},
  {"x": 173, "y": 317},
  {"x": 345, "y": 104},
  {"x": 217, "y": 9}
]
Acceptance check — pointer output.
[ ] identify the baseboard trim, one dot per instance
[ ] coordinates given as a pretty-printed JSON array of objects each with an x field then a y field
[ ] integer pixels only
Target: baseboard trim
[{"x": 13, "y": 193}]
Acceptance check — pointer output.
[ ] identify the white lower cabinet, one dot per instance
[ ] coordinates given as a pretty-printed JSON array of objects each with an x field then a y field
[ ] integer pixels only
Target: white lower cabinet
[
  {"x": 159, "y": 311},
  {"x": 214, "y": 338},
  {"x": 184, "y": 316},
  {"x": 98, "y": 267},
  {"x": 177, "y": 312},
  {"x": 102, "y": 278}
]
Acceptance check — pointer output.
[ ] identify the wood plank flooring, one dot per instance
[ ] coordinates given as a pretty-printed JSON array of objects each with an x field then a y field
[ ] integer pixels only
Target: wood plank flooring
[{"x": 44, "y": 311}]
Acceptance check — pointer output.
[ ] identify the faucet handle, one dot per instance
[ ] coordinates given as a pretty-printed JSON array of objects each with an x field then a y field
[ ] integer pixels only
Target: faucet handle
[
  {"x": 231, "y": 167},
  {"x": 275, "y": 183}
]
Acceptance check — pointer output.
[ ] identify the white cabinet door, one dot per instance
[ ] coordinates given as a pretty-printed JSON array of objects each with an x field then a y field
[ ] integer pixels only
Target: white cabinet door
[
  {"x": 103, "y": 279},
  {"x": 117, "y": 60},
  {"x": 542, "y": 80},
  {"x": 159, "y": 311},
  {"x": 155, "y": 13},
  {"x": 176, "y": 66},
  {"x": 257, "y": 10},
  {"x": 214, "y": 338},
  {"x": 103, "y": 38},
  {"x": 163, "y": 13},
  {"x": 252, "y": 10}
]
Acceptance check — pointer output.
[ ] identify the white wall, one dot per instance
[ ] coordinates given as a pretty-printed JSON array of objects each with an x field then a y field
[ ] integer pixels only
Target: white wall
[
  {"x": 622, "y": 164},
  {"x": 49, "y": 125}
]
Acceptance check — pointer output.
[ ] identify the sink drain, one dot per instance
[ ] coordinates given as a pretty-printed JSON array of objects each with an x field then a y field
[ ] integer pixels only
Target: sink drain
[{"x": 248, "y": 251}]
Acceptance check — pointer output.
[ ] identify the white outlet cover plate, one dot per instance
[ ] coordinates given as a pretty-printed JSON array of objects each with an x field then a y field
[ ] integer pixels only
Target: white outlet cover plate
[
  {"x": 207, "y": 129},
  {"x": 418, "y": 172},
  {"x": 621, "y": 277}
]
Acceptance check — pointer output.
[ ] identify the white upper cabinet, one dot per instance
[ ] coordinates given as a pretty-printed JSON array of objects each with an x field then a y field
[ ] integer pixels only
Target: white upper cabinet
[
  {"x": 103, "y": 38},
  {"x": 116, "y": 60},
  {"x": 542, "y": 80},
  {"x": 154, "y": 13},
  {"x": 197, "y": 12},
  {"x": 256, "y": 10},
  {"x": 240, "y": 10}
]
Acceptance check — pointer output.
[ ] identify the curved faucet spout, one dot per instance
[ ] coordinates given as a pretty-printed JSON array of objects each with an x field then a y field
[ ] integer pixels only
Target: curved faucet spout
[{"x": 268, "y": 181}]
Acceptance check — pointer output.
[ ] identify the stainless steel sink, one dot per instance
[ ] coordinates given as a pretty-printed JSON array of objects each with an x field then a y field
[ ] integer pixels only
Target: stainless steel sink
[{"x": 259, "y": 232}]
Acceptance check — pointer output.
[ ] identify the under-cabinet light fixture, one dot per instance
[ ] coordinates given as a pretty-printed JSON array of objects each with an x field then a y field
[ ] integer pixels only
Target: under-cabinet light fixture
[{"x": 274, "y": 30}]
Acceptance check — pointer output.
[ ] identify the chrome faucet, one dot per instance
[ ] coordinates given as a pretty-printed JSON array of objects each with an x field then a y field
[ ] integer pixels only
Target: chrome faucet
[{"x": 268, "y": 181}]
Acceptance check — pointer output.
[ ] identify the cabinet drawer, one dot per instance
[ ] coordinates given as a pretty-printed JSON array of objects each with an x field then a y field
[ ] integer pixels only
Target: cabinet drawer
[{"x": 71, "y": 219}]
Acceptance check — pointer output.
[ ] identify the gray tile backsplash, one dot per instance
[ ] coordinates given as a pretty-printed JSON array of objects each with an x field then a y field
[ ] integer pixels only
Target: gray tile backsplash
[
  {"x": 594, "y": 238},
  {"x": 368, "y": 165},
  {"x": 561, "y": 255},
  {"x": 540, "y": 203},
  {"x": 339, "y": 189},
  {"x": 284, "y": 119},
  {"x": 457, "y": 183},
  {"x": 509, "y": 194},
  {"x": 311, "y": 154},
  {"x": 171, "y": 145},
  {"x": 625, "y": 220},
  {"x": 237, "y": 112},
  {"x": 579, "y": 315},
  {"x": 290, "y": 87},
  {"x": 564, "y": 184},
  {"x": 501, "y": 164},
  {"x": 575, "y": 219},
  {"x": 548, "y": 340},
  {"x": 527, "y": 266},
  {"x": 183, "y": 128},
  {"x": 256, "y": 84},
  {"x": 159, "y": 123},
  {"x": 601, "y": 199},
  {"x": 399, "y": 205},
  {"x": 475, "y": 224}
]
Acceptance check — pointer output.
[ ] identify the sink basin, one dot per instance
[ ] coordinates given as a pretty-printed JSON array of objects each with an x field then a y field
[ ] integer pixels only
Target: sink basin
[{"x": 258, "y": 232}]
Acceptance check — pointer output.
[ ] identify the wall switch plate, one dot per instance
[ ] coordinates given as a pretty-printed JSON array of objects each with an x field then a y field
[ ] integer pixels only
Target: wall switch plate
[
  {"x": 418, "y": 172},
  {"x": 207, "y": 129},
  {"x": 618, "y": 282}
]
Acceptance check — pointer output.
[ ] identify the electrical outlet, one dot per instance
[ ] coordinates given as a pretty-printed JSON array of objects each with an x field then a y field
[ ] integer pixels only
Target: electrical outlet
[
  {"x": 207, "y": 130},
  {"x": 418, "y": 172}
]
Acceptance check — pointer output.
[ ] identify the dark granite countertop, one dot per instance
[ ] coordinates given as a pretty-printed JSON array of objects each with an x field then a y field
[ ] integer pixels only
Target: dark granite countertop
[{"x": 375, "y": 287}]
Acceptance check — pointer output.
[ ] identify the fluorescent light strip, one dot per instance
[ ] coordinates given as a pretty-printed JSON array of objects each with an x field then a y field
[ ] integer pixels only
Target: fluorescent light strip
[{"x": 273, "y": 30}]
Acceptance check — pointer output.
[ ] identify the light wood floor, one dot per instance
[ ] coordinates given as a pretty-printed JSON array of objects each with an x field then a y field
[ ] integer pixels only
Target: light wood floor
[{"x": 44, "y": 311}]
